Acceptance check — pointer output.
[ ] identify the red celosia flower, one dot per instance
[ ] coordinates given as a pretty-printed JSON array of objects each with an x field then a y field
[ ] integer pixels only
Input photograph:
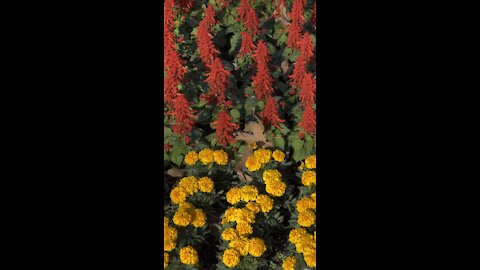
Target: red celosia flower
[
  {"x": 262, "y": 81},
  {"x": 167, "y": 147},
  {"x": 209, "y": 18},
  {"x": 294, "y": 35},
  {"x": 242, "y": 10},
  {"x": 306, "y": 47},
  {"x": 206, "y": 48},
  {"x": 248, "y": 15},
  {"x": 299, "y": 71},
  {"x": 224, "y": 128},
  {"x": 217, "y": 80},
  {"x": 168, "y": 14},
  {"x": 309, "y": 120},
  {"x": 307, "y": 90},
  {"x": 183, "y": 118},
  {"x": 247, "y": 44},
  {"x": 296, "y": 15},
  {"x": 270, "y": 113}
]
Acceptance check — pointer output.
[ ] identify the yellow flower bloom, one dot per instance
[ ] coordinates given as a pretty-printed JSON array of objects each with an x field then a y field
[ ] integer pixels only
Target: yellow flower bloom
[
  {"x": 244, "y": 215},
  {"x": 263, "y": 155},
  {"x": 230, "y": 214},
  {"x": 256, "y": 247},
  {"x": 311, "y": 162},
  {"x": 240, "y": 244},
  {"x": 253, "y": 164},
  {"x": 306, "y": 245},
  {"x": 170, "y": 234},
  {"x": 304, "y": 204},
  {"x": 165, "y": 221},
  {"x": 188, "y": 255},
  {"x": 302, "y": 165},
  {"x": 249, "y": 193},
  {"x": 289, "y": 263},
  {"x": 254, "y": 146},
  {"x": 182, "y": 218},
  {"x": 165, "y": 259},
  {"x": 314, "y": 198},
  {"x": 178, "y": 195},
  {"x": 186, "y": 206},
  {"x": 230, "y": 234},
  {"x": 311, "y": 259},
  {"x": 189, "y": 184},
  {"x": 231, "y": 257},
  {"x": 271, "y": 175},
  {"x": 296, "y": 235},
  {"x": 191, "y": 158},
  {"x": 266, "y": 203},
  {"x": 276, "y": 188},
  {"x": 220, "y": 157},
  {"x": 309, "y": 177},
  {"x": 205, "y": 184},
  {"x": 199, "y": 218},
  {"x": 169, "y": 245},
  {"x": 278, "y": 156},
  {"x": 206, "y": 156},
  {"x": 315, "y": 236},
  {"x": 253, "y": 206},
  {"x": 224, "y": 220},
  {"x": 306, "y": 218},
  {"x": 234, "y": 195},
  {"x": 244, "y": 229}
]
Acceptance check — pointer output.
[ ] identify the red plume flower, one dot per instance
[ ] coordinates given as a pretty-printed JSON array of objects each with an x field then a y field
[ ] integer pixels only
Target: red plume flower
[
  {"x": 247, "y": 14},
  {"x": 262, "y": 82},
  {"x": 299, "y": 71},
  {"x": 247, "y": 44},
  {"x": 309, "y": 120},
  {"x": 217, "y": 80},
  {"x": 224, "y": 128},
  {"x": 270, "y": 113},
  {"x": 296, "y": 15},
  {"x": 183, "y": 118},
  {"x": 168, "y": 14},
  {"x": 306, "y": 47},
  {"x": 206, "y": 48},
  {"x": 185, "y": 5},
  {"x": 307, "y": 90},
  {"x": 242, "y": 10},
  {"x": 294, "y": 35},
  {"x": 209, "y": 19}
]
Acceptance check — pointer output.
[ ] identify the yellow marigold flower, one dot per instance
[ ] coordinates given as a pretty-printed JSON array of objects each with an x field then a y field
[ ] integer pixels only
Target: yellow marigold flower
[
  {"x": 315, "y": 236},
  {"x": 304, "y": 204},
  {"x": 311, "y": 259},
  {"x": 231, "y": 257},
  {"x": 191, "y": 158},
  {"x": 178, "y": 195},
  {"x": 230, "y": 214},
  {"x": 189, "y": 184},
  {"x": 244, "y": 229},
  {"x": 305, "y": 246},
  {"x": 253, "y": 206},
  {"x": 182, "y": 218},
  {"x": 169, "y": 245},
  {"x": 263, "y": 155},
  {"x": 220, "y": 157},
  {"x": 314, "y": 198},
  {"x": 188, "y": 255},
  {"x": 205, "y": 184},
  {"x": 254, "y": 146},
  {"x": 224, "y": 220},
  {"x": 311, "y": 162},
  {"x": 271, "y": 175},
  {"x": 199, "y": 218},
  {"x": 234, "y": 195},
  {"x": 186, "y": 206},
  {"x": 289, "y": 263},
  {"x": 306, "y": 219},
  {"x": 309, "y": 177},
  {"x": 240, "y": 244},
  {"x": 244, "y": 215},
  {"x": 249, "y": 193},
  {"x": 266, "y": 203},
  {"x": 206, "y": 156},
  {"x": 165, "y": 221},
  {"x": 256, "y": 247},
  {"x": 278, "y": 156},
  {"x": 253, "y": 164},
  {"x": 276, "y": 188},
  {"x": 170, "y": 234},
  {"x": 229, "y": 234},
  {"x": 296, "y": 235},
  {"x": 165, "y": 259}
]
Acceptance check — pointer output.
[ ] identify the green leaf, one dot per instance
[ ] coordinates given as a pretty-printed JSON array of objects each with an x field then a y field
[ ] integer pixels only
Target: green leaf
[
  {"x": 235, "y": 115},
  {"x": 293, "y": 56},
  {"x": 279, "y": 142}
]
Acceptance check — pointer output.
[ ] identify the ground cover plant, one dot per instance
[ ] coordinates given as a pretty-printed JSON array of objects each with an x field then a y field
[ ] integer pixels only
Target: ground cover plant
[{"x": 240, "y": 134}]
